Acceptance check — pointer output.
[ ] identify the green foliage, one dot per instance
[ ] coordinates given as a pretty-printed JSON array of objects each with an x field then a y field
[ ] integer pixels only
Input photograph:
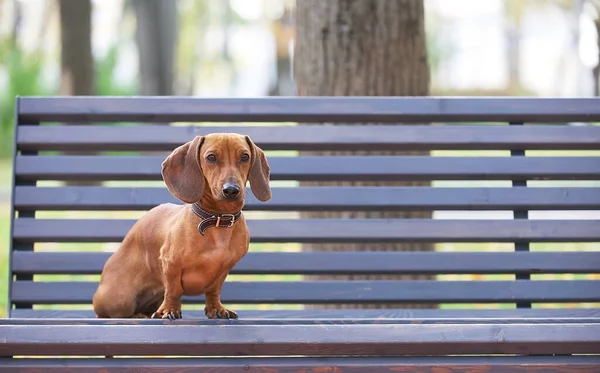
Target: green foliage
[
  {"x": 24, "y": 77},
  {"x": 106, "y": 84}
]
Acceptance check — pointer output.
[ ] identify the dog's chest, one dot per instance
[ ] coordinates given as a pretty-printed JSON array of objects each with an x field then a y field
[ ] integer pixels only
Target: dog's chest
[{"x": 206, "y": 270}]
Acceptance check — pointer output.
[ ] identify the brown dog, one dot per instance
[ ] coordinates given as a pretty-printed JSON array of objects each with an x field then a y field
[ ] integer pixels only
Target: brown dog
[{"x": 187, "y": 249}]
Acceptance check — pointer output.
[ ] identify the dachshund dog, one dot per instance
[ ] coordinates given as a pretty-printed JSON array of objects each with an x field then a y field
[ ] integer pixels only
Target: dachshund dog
[{"x": 175, "y": 250}]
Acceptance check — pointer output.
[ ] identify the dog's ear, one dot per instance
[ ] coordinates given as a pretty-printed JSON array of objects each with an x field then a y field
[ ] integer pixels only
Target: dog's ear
[
  {"x": 182, "y": 173},
  {"x": 259, "y": 174}
]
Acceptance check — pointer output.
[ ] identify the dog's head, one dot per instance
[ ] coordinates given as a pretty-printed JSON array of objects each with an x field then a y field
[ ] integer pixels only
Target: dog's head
[{"x": 219, "y": 164}]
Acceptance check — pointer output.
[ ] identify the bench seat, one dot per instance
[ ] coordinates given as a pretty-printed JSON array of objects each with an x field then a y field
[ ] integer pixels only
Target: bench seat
[{"x": 317, "y": 337}]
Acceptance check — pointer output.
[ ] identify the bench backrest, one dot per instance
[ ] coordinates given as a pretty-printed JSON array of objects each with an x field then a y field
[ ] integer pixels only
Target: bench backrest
[{"x": 62, "y": 235}]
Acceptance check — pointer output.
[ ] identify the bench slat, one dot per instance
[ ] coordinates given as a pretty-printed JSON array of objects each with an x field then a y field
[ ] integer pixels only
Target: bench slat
[
  {"x": 324, "y": 168},
  {"x": 331, "y": 137},
  {"x": 203, "y": 320},
  {"x": 321, "y": 198},
  {"x": 563, "y": 364},
  {"x": 343, "y": 262},
  {"x": 307, "y": 109},
  {"x": 506, "y": 315},
  {"x": 330, "y": 292},
  {"x": 334, "y": 230},
  {"x": 320, "y": 340},
  {"x": 496, "y": 364}
]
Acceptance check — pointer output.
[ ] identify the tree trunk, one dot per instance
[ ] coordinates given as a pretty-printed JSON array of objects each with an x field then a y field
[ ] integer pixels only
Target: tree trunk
[
  {"x": 596, "y": 70},
  {"x": 77, "y": 63},
  {"x": 362, "y": 48},
  {"x": 156, "y": 36}
]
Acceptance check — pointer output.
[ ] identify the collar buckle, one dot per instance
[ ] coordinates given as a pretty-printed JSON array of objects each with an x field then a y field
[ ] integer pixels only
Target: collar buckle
[
  {"x": 214, "y": 220},
  {"x": 231, "y": 220}
]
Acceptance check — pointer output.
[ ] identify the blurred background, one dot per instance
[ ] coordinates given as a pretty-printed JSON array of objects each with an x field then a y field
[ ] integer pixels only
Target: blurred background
[{"x": 245, "y": 48}]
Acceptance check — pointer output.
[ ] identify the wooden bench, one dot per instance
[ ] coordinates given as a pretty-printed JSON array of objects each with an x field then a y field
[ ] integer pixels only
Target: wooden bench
[{"x": 50, "y": 313}]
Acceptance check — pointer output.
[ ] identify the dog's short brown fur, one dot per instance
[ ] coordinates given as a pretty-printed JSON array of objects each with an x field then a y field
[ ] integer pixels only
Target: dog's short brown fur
[{"x": 164, "y": 256}]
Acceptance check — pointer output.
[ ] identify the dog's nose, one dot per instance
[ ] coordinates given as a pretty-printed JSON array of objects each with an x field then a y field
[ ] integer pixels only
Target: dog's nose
[{"x": 231, "y": 191}]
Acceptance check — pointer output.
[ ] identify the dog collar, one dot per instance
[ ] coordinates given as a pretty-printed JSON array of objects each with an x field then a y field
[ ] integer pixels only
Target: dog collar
[{"x": 214, "y": 220}]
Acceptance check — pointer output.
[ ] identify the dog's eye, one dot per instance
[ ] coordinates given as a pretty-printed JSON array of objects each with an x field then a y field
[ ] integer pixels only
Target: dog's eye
[
  {"x": 211, "y": 158},
  {"x": 245, "y": 158}
]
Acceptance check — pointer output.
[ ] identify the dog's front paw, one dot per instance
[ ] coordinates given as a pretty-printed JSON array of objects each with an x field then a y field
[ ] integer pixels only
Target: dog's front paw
[
  {"x": 219, "y": 312},
  {"x": 168, "y": 312}
]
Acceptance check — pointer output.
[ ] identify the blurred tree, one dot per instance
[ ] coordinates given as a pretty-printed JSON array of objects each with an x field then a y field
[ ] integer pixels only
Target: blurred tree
[
  {"x": 283, "y": 32},
  {"x": 156, "y": 36},
  {"x": 595, "y": 8},
  {"x": 24, "y": 77},
  {"x": 514, "y": 11},
  {"x": 193, "y": 20},
  {"x": 596, "y": 71},
  {"x": 77, "y": 63},
  {"x": 363, "y": 48}
]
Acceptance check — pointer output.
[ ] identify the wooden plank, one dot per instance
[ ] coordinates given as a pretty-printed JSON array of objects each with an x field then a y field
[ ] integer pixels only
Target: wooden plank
[
  {"x": 334, "y": 230},
  {"x": 203, "y": 320},
  {"x": 308, "y": 109},
  {"x": 310, "y": 340},
  {"x": 331, "y": 292},
  {"x": 302, "y": 138},
  {"x": 509, "y": 315},
  {"x": 343, "y": 263},
  {"x": 324, "y": 168},
  {"x": 455, "y": 364},
  {"x": 321, "y": 198}
]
